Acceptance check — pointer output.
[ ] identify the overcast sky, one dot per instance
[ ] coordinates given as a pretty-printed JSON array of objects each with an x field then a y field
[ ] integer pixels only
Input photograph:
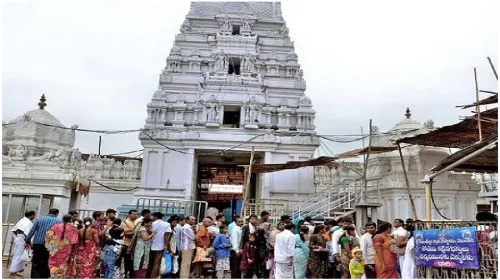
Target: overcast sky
[{"x": 98, "y": 61}]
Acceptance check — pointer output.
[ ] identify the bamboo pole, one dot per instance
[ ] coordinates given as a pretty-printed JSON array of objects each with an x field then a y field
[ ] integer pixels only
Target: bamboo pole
[
  {"x": 247, "y": 183},
  {"x": 493, "y": 68},
  {"x": 490, "y": 92},
  {"x": 478, "y": 108},
  {"x": 413, "y": 208},
  {"x": 365, "y": 191}
]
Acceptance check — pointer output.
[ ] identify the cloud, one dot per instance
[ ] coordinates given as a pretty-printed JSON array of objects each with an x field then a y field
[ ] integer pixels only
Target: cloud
[{"x": 98, "y": 61}]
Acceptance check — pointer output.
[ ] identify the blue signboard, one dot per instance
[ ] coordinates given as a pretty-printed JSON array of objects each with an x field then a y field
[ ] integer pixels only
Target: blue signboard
[{"x": 452, "y": 248}]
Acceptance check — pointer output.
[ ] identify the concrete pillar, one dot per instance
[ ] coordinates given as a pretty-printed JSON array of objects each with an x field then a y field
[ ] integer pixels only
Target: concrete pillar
[{"x": 361, "y": 217}]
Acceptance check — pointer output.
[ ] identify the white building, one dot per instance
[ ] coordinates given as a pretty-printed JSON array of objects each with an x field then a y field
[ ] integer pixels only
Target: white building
[
  {"x": 455, "y": 194},
  {"x": 231, "y": 82},
  {"x": 41, "y": 169}
]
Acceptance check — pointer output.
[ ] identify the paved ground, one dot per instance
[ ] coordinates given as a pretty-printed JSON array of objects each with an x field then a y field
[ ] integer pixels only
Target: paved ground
[{"x": 5, "y": 271}]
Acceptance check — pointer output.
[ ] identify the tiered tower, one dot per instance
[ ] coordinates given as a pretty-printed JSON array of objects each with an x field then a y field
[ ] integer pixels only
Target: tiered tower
[{"x": 232, "y": 77}]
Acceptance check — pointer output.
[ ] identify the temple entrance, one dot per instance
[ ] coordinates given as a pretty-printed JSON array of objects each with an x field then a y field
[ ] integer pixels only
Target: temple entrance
[{"x": 220, "y": 182}]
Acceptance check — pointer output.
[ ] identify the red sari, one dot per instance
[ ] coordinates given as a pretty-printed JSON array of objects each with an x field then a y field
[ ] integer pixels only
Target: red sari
[
  {"x": 60, "y": 249},
  {"x": 390, "y": 261},
  {"x": 86, "y": 257}
]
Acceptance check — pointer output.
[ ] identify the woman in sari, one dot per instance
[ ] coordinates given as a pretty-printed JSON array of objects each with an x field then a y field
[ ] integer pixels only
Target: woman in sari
[
  {"x": 301, "y": 253},
  {"x": 142, "y": 248},
  {"x": 386, "y": 263},
  {"x": 88, "y": 250},
  {"x": 318, "y": 257},
  {"x": 298, "y": 222},
  {"x": 347, "y": 243},
  {"x": 60, "y": 241}
]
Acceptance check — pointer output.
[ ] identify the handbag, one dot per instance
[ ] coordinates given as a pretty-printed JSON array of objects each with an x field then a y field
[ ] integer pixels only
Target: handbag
[
  {"x": 400, "y": 251},
  {"x": 25, "y": 257},
  {"x": 166, "y": 264},
  {"x": 201, "y": 255},
  {"x": 175, "y": 264},
  {"x": 269, "y": 264}
]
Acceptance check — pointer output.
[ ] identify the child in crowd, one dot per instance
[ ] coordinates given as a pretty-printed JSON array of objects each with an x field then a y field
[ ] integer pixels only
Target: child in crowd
[
  {"x": 248, "y": 257},
  {"x": 357, "y": 266},
  {"x": 222, "y": 246},
  {"x": 112, "y": 255}
]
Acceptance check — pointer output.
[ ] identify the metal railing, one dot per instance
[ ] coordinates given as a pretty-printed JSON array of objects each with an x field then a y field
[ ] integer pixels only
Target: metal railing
[
  {"x": 332, "y": 190},
  {"x": 174, "y": 206},
  {"x": 488, "y": 252},
  {"x": 275, "y": 207},
  {"x": 336, "y": 201}
]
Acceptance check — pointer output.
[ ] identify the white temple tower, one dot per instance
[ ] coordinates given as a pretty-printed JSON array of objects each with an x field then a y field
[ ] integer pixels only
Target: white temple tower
[{"x": 231, "y": 82}]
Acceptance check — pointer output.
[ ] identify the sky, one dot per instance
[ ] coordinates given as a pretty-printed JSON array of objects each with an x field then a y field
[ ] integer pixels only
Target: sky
[{"x": 98, "y": 62}]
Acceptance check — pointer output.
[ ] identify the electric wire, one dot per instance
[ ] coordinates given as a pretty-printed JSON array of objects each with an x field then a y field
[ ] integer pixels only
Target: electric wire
[
  {"x": 204, "y": 154},
  {"x": 331, "y": 137},
  {"x": 125, "y": 153},
  {"x": 113, "y": 189},
  {"x": 340, "y": 138},
  {"x": 435, "y": 206}
]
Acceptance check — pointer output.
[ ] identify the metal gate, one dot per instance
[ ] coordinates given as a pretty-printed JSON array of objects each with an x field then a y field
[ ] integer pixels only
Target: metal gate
[
  {"x": 170, "y": 207},
  {"x": 13, "y": 208}
]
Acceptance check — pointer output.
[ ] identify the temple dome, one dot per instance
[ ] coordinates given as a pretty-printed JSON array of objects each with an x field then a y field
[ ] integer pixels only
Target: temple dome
[
  {"x": 405, "y": 128},
  {"x": 39, "y": 116},
  {"x": 38, "y": 131},
  {"x": 406, "y": 124}
]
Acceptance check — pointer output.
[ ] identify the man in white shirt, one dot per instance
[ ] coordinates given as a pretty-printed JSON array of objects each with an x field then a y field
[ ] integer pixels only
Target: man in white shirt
[
  {"x": 283, "y": 253},
  {"x": 235, "y": 237},
  {"x": 400, "y": 234},
  {"x": 161, "y": 230},
  {"x": 187, "y": 246},
  {"x": 20, "y": 231},
  {"x": 366, "y": 244},
  {"x": 171, "y": 245}
]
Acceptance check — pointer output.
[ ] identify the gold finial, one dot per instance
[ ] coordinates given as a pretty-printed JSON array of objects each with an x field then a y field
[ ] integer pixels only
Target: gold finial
[
  {"x": 408, "y": 114},
  {"x": 42, "y": 103}
]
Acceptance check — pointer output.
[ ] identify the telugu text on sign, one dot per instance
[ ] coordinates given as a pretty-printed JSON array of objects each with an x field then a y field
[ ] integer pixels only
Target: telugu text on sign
[{"x": 453, "y": 248}]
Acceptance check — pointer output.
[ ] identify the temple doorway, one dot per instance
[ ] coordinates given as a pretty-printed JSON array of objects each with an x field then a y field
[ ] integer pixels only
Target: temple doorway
[{"x": 220, "y": 182}]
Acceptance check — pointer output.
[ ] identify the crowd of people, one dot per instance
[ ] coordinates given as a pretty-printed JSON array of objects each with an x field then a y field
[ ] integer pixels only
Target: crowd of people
[
  {"x": 146, "y": 246},
  {"x": 104, "y": 246}
]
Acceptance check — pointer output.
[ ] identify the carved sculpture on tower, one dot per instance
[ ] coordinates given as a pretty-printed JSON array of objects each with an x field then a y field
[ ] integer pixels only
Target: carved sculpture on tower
[
  {"x": 252, "y": 113},
  {"x": 245, "y": 27},
  {"x": 247, "y": 79},
  {"x": 221, "y": 63}
]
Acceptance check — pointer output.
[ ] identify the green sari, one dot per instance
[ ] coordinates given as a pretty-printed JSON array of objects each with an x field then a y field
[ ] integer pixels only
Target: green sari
[
  {"x": 300, "y": 258},
  {"x": 296, "y": 223}
]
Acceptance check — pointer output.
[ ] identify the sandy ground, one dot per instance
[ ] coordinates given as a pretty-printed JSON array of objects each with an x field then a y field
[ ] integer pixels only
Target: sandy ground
[{"x": 5, "y": 271}]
